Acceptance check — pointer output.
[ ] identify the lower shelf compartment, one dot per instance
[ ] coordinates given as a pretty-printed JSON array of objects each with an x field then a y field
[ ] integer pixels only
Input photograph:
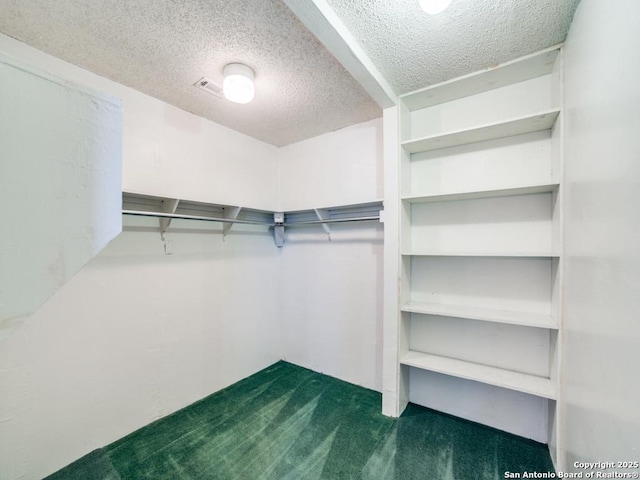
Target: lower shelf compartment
[{"x": 522, "y": 382}]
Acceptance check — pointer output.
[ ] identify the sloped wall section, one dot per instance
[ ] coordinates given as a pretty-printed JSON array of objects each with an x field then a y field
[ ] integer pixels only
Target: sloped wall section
[{"x": 60, "y": 184}]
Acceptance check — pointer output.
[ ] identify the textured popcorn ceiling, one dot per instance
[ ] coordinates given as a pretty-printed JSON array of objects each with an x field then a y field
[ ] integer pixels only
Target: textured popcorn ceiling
[
  {"x": 413, "y": 50},
  {"x": 162, "y": 47}
]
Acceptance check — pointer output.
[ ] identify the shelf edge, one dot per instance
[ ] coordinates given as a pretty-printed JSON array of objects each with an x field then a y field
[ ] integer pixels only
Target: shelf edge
[
  {"x": 482, "y": 254},
  {"x": 509, "y": 379},
  {"x": 480, "y": 314},
  {"x": 416, "y": 145},
  {"x": 489, "y": 193}
]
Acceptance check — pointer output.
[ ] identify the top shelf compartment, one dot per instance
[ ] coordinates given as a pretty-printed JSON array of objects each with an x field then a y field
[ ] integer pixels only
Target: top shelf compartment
[
  {"x": 525, "y": 68},
  {"x": 515, "y": 126}
]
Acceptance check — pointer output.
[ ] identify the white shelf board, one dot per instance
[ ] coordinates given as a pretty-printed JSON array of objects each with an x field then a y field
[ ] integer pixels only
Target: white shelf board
[
  {"x": 439, "y": 253},
  {"x": 521, "y": 382},
  {"x": 526, "y": 319},
  {"x": 341, "y": 206},
  {"x": 518, "y": 70},
  {"x": 515, "y": 126},
  {"x": 498, "y": 192}
]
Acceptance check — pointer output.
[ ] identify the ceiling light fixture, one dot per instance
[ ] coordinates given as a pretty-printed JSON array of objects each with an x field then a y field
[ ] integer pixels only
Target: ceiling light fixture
[
  {"x": 237, "y": 85},
  {"x": 434, "y": 7}
]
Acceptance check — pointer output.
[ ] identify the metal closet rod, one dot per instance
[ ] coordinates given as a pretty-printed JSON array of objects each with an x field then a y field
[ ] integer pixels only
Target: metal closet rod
[
  {"x": 193, "y": 217},
  {"x": 245, "y": 222},
  {"x": 334, "y": 220}
]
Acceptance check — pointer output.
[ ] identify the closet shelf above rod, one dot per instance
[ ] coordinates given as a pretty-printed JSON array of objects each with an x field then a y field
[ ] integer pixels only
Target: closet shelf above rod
[
  {"x": 359, "y": 212},
  {"x": 167, "y": 209}
]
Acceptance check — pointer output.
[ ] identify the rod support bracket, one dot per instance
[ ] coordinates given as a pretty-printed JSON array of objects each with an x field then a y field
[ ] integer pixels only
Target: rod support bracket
[
  {"x": 324, "y": 214},
  {"x": 278, "y": 228},
  {"x": 230, "y": 213},
  {"x": 169, "y": 205}
]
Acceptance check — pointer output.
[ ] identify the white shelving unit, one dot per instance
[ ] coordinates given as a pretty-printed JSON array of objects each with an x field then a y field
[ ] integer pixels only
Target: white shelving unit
[{"x": 480, "y": 243}]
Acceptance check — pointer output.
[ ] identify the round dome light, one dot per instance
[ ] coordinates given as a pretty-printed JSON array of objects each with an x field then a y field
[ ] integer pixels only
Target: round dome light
[
  {"x": 237, "y": 85},
  {"x": 433, "y": 7}
]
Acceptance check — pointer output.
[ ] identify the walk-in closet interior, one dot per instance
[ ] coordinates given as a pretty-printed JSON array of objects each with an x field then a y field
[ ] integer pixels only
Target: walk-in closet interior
[{"x": 407, "y": 249}]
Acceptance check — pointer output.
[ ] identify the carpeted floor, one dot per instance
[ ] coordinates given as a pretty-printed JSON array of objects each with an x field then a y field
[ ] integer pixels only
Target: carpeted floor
[{"x": 287, "y": 422}]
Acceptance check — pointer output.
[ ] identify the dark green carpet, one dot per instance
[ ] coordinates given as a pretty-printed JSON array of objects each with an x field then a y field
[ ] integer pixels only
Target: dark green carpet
[
  {"x": 425, "y": 444},
  {"x": 287, "y": 422},
  {"x": 94, "y": 466}
]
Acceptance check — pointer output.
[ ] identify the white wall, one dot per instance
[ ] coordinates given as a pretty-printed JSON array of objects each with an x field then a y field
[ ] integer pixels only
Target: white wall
[
  {"x": 338, "y": 168},
  {"x": 169, "y": 152},
  {"x": 601, "y": 394},
  {"x": 60, "y": 170},
  {"x": 331, "y": 301},
  {"x": 134, "y": 336},
  {"x": 331, "y": 290}
]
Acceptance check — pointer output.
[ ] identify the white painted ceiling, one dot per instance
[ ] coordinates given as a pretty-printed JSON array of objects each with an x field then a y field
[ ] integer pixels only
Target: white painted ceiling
[{"x": 162, "y": 47}]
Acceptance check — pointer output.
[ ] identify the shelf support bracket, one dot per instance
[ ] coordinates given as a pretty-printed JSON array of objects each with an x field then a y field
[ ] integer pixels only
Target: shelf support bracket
[
  {"x": 323, "y": 214},
  {"x": 169, "y": 205},
  {"x": 278, "y": 228},
  {"x": 231, "y": 213}
]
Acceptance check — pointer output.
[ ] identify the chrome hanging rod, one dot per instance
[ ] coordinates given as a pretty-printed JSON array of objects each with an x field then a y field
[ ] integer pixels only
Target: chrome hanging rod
[
  {"x": 334, "y": 220},
  {"x": 193, "y": 217},
  {"x": 140, "y": 213}
]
